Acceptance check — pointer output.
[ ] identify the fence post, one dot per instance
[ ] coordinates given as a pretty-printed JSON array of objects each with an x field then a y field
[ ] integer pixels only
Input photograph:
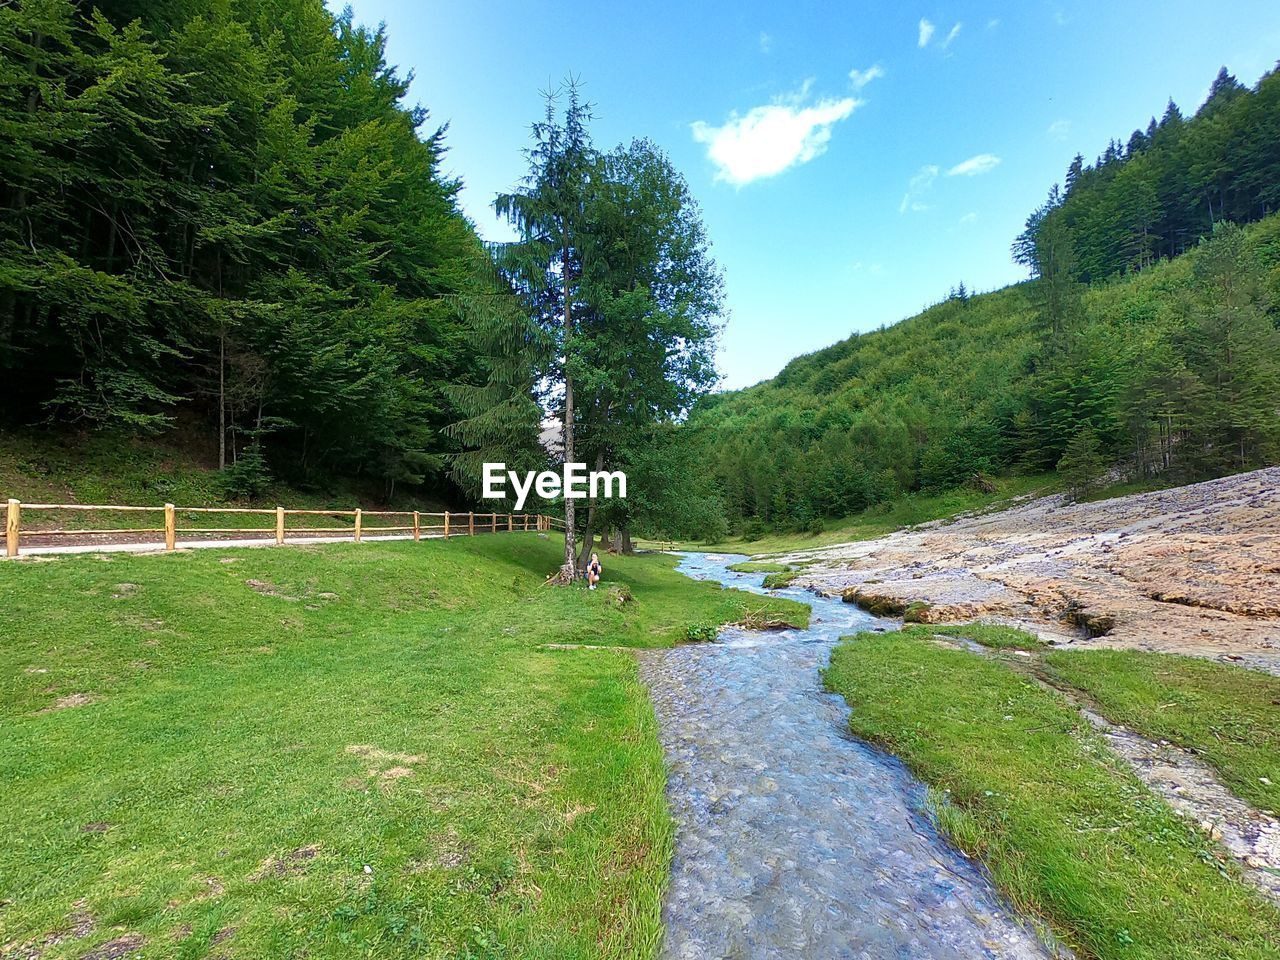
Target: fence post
[
  {"x": 526, "y": 523},
  {"x": 279, "y": 526},
  {"x": 471, "y": 523},
  {"x": 417, "y": 526},
  {"x": 11, "y": 527},
  {"x": 357, "y": 540},
  {"x": 493, "y": 517},
  {"x": 510, "y": 523},
  {"x": 170, "y": 528},
  {"x": 446, "y": 524}
]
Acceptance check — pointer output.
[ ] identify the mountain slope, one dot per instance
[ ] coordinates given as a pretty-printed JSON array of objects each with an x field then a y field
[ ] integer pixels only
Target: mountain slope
[{"x": 1173, "y": 371}]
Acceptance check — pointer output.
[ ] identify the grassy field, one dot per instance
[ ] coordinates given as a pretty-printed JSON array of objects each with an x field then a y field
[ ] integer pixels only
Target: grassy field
[
  {"x": 1020, "y": 780},
  {"x": 335, "y": 751},
  {"x": 992, "y": 635},
  {"x": 1229, "y": 716}
]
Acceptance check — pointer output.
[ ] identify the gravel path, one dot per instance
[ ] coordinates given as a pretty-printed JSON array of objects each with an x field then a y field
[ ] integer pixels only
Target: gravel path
[{"x": 105, "y": 545}]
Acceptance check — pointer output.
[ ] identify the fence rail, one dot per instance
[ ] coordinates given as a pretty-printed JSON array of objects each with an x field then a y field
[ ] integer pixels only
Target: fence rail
[{"x": 433, "y": 525}]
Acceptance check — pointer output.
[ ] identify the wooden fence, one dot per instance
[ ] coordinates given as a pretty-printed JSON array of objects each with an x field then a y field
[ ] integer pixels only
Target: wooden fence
[{"x": 404, "y": 523}]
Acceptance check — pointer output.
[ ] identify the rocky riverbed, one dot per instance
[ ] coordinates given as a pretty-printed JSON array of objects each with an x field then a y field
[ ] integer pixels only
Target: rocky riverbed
[
  {"x": 794, "y": 839},
  {"x": 1193, "y": 570}
]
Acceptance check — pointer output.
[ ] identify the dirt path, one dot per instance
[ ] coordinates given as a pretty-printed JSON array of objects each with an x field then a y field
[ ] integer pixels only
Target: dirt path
[
  {"x": 1192, "y": 570},
  {"x": 36, "y": 546}
]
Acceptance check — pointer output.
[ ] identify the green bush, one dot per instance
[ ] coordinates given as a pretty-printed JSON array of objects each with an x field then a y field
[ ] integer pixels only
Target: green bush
[
  {"x": 248, "y": 477},
  {"x": 701, "y": 632}
]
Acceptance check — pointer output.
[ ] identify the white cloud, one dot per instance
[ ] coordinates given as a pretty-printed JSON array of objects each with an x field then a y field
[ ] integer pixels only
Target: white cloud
[
  {"x": 993, "y": 23},
  {"x": 766, "y": 42},
  {"x": 982, "y": 163},
  {"x": 769, "y": 139},
  {"x": 920, "y": 184},
  {"x": 1059, "y": 129},
  {"x": 928, "y": 29},
  {"x": 860, "y": 78},
  {"x": 968, "y": 218}
]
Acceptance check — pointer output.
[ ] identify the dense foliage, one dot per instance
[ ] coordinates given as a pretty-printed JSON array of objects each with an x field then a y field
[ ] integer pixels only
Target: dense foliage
[
  {"x": 221, "y": 214},
  {"x": 621, "y": 300},
  {"x": 1157, "y": 194},
  {"x": 922, "y": 404}
]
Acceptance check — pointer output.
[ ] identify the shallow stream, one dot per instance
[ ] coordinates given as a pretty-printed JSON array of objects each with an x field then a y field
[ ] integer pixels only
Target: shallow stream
[{"x": 793, "y": 838}]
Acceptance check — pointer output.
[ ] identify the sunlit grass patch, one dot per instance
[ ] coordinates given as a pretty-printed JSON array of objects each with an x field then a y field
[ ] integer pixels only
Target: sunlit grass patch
[
  {"x": 1021, "y": 781},
  {"x": 337, "y": 751},
  {"x": 756, "y": 566},
  {"x": 1227, "y": 715}
]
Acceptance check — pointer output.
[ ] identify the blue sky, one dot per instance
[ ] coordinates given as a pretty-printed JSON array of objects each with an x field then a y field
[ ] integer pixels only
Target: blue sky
[{"x": 853, "y": 161}]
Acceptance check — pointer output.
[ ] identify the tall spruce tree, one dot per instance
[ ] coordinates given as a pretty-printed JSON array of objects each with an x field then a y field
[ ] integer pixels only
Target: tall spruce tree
[
  {"x": 652, "y": 296},
  {"x": 554, "y": 249}
]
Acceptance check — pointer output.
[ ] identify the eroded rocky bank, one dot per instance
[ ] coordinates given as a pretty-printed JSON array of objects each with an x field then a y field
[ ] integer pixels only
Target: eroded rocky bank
[{"x": 1193, "y": 570}]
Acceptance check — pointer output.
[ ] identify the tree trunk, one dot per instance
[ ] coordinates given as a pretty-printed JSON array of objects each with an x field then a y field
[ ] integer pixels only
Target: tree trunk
[
  {"x": 222, "y": 399},
  {"x": 570, "y": 570},
  {"x": 626, "y": 546}
]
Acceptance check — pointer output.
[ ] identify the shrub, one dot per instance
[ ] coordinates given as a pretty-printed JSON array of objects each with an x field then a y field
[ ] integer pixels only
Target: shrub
[
  {"x": 701, "y": 632},
  {"x": 249, "y": 476}
]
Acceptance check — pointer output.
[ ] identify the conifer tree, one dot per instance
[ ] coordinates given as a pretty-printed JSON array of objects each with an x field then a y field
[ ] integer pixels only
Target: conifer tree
[
  {"x": 547, "y": 262},
  {"x": 1082, "y": 464}
]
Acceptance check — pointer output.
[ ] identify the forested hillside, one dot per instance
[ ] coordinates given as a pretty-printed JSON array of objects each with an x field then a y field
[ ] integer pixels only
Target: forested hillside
[
  {"x": 1113, "y": 354},
  {"x": 1157, "y": 194},
  {"x": 222, "y": 220}
]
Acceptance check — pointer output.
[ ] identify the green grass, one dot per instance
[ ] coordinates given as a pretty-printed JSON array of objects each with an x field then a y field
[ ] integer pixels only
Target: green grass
[
  {"x": 886, "y": 518},
  {"x": 258, "y": 731},
  {"x": 754, "y": 566},
  {"x": 1020, "y": 780},
  {"x": 1229, "y": 716},
  {"x": 992, "y": 635},
  {"x": 775, "y": 581}
]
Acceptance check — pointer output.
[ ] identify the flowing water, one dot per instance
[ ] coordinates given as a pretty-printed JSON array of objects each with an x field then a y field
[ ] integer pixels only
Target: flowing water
[{"x": 793, "y": 838}]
